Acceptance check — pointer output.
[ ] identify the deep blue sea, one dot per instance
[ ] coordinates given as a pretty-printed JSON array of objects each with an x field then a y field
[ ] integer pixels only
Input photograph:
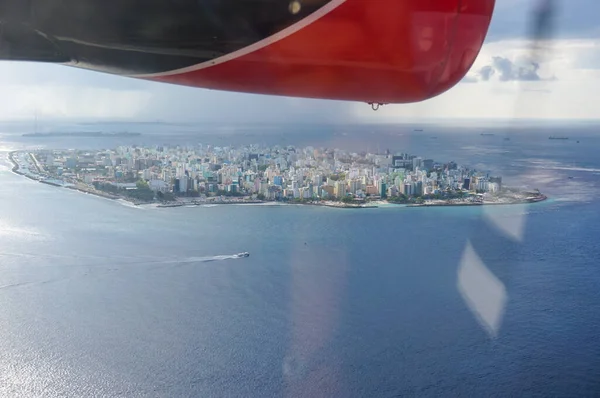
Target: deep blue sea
[{"x": 102, "y": 299}]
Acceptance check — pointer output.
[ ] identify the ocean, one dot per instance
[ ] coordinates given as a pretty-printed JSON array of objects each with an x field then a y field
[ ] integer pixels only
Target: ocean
[{"x": 99, "y": 298}]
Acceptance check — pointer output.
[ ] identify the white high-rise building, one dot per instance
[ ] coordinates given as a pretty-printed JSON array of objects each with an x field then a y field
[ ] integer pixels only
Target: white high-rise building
[
  {"x": 417, "y": 162},
  {"x": 183, "y": 184},
  {"x": 295, "y": 188},
  {"x": 340, "y": 189},
  {"x": 355, "y": 185}
]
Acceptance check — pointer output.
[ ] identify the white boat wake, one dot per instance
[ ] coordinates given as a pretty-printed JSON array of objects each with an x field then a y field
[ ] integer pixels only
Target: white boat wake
[
  {"x": 207, "y": 259},
  {"x": 202, "y": 259}
]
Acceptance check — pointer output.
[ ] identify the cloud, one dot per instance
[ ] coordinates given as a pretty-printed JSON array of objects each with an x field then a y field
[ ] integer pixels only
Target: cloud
[
  {"x": 561, "y": 84},
  {"x": 486, "y": 72},
  {"x": 521, "y": 95},
  {"x": 64, "y": 92},
  {"x": 469, "y": 79},
  {"x": 505, "y": 70},
  {"x": 51, "y": 75},
  {"x": 59, "y": 101},
  {"x": 509, "y": 86},
  {"x": 199, "y": 105},
  {"x": 509, "y": 71}
]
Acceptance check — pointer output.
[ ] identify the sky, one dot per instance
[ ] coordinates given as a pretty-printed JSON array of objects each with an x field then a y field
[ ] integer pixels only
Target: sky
[{"x": 503, "y": 84}]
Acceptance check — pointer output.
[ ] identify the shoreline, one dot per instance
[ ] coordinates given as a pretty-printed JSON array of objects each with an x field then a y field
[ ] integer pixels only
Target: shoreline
[
  {"x": 91, "y": 192},
  {"x": 537, "y": 199},
  {"x": 339, "y": 205},
  {"x": 15, "y": 168},
  {"x": 259, "y": 202}
]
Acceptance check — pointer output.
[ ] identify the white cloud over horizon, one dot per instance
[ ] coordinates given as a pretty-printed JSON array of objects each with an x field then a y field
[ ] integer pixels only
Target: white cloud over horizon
[
  {"x": 506, "y": 82},
  {"x": 563, "y": 89}
]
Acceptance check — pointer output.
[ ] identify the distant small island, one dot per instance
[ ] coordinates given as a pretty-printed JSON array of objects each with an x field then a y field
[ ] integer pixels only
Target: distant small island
[{"x": 81, "y": 134}]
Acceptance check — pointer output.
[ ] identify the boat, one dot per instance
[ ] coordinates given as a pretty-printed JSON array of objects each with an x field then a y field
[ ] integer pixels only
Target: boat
[
  {"x": 241, "y": 255},
  {"x": 558, "y": 138}
]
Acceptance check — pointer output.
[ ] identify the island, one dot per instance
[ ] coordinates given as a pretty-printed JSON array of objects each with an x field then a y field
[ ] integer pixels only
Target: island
[
  {"x": 93, "y": 134},
  {"x": 284, "y": 174}
]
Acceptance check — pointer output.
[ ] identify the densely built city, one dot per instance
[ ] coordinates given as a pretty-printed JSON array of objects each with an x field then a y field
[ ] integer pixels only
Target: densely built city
[{"x": 205, "y": 173}]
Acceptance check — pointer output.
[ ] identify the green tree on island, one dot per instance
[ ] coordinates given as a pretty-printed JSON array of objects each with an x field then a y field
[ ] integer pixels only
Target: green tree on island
[
  {"x": 338, "y": 177},
  {"x": 142, "y": 184},
  {"x": 401, "y": 198},
  {"x": 165, "y": 196},
  {"x": 221, "y": 192}
]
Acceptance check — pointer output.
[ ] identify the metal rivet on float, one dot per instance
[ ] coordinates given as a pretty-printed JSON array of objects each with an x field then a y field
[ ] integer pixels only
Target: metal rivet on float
[{"x": 295, "y": 7}]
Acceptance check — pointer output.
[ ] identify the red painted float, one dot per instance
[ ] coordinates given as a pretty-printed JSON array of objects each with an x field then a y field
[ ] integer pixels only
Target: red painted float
[{"x": 380, "y": 51}]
